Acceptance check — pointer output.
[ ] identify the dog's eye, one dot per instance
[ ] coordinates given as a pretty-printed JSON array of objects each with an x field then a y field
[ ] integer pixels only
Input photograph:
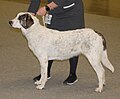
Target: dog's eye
[
  {"x": 19, "y": 18},
  {"x": 22, "y": 17}
]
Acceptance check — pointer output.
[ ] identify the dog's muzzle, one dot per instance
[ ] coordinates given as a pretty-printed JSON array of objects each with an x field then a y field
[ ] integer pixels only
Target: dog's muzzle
[{"x": 11, "y": 23}]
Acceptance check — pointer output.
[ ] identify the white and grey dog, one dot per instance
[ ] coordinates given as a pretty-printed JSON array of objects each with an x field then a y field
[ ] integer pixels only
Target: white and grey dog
[{"x": 48, "y": 44}]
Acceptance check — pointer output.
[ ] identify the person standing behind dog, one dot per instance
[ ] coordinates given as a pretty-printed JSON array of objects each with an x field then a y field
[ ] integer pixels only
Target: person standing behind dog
[{"x": 61, "y": 15}]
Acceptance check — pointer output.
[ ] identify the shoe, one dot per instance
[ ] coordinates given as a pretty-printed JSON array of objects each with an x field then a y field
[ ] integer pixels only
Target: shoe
[
  {"x": 37, "y": 78},
  {"x": 72, "y": 78}
]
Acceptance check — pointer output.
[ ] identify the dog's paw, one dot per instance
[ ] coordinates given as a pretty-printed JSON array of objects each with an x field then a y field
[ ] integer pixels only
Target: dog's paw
[
  {"x": 37, "y": 83},
  {"x": 40, "y": 87},
  {"x": 99, "y": 90}
]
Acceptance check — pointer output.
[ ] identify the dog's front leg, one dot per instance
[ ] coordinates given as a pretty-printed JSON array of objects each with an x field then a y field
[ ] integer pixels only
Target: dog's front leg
[{"x": 44, "y": 64}]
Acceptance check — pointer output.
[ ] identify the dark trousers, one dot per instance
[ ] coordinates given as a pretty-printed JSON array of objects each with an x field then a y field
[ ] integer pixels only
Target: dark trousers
[
  {"x": 73, "y": 65},
  {"x": 64, "y": 24}
]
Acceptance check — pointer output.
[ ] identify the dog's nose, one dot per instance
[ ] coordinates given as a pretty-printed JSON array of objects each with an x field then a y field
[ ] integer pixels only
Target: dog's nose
[{"x": 10, "y": 22}]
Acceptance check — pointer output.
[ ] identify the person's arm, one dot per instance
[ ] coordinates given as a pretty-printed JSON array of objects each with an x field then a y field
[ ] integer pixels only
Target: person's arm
[
  {"x": 58, "y": 2},
  {"x": 42, "y": 11},
  {"x": 34, "y": 6}
]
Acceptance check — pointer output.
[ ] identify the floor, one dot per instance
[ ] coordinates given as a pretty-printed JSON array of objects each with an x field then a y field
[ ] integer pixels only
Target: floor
[{"x": 18, "y": 65}]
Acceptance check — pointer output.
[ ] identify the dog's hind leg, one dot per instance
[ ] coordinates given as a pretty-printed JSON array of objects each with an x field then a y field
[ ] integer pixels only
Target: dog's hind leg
[
  {"x": 101, "y": 77},
  {"x": 97, "y": 66}
]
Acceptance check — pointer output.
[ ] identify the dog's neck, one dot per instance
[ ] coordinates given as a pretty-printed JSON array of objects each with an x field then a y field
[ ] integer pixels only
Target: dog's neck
[{"x": 30, "y": 30}]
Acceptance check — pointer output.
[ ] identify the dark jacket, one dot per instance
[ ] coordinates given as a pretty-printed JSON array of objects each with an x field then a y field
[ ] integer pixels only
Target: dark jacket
[{"x": 68, "y": 15}]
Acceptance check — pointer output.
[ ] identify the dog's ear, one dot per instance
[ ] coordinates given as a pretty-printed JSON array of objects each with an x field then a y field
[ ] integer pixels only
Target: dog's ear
[{"x": 26, "y": 21}]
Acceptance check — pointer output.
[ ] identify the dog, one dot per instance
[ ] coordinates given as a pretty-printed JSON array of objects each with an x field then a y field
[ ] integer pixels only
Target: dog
[{"x": 48, "y": 44}]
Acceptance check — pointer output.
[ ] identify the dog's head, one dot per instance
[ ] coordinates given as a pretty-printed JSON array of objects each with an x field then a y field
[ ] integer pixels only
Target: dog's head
[{"x": 23, "y": 20}]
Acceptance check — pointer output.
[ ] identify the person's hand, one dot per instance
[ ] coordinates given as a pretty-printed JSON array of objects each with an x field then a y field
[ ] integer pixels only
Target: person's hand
[{"x": 42, "y": 11}]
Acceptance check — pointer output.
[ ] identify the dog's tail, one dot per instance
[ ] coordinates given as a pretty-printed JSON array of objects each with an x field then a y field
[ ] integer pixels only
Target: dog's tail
[{"x": 106, "y": 62}]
